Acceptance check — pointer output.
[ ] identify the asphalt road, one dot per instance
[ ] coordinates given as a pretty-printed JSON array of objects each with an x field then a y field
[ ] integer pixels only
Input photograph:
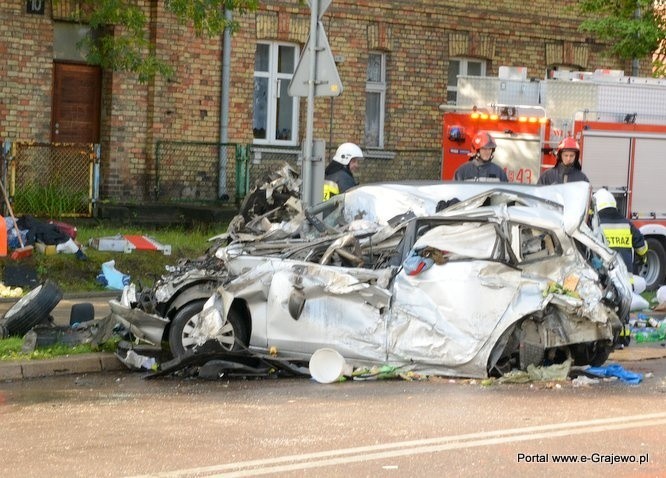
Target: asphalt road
[{"x": 119, "y": 424}]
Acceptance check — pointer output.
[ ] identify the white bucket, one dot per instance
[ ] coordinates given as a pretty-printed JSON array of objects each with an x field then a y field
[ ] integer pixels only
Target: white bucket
[
  {"x": 639, "y": 284},
  {"x": 327, "y": 366},
  {"x": 661, "y": 294}
]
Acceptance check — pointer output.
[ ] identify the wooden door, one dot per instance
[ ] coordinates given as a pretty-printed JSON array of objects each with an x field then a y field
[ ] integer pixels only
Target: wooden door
[{"x": 76, "y": 103}]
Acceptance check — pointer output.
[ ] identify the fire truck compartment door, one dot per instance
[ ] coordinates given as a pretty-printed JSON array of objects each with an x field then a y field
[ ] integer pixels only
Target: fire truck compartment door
[
  {"x": 606, "y": 161},
  {"x": 649, "y": 178},
  {"x": 519, "y": 156}
]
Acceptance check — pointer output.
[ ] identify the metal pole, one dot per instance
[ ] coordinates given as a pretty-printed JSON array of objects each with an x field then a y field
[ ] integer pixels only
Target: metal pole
[
  {"x": 224, "y": 109},
  {"x": 307, "y": 152}
]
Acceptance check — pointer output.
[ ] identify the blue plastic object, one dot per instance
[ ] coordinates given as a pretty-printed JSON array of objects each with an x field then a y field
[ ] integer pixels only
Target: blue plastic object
[{"x": 616, "y": 370}]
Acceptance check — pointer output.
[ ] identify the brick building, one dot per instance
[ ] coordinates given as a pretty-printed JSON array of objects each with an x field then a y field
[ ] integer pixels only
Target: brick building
[{"x": 397, "y": 61}]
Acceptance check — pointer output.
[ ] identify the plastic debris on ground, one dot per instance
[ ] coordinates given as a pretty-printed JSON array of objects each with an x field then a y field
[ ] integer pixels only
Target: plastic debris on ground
[
  {"x": 111, "y": 278},
  {"x": 385, "y": 372},
  {"x": 129, "y": 243},
  {"x": 12, "y": 292},
  {"x": 555, "y": 372},
  {"x": 584, "y": 381},
  {"x": 135, "y": 361},
  {"x": 645, "y": 328},
  {"x": 615, "y": 370}
]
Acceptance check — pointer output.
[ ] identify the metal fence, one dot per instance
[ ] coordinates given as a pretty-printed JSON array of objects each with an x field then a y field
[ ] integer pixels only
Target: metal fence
[
  {"x": 52, "y": 180},
  {"x": 188, "y": 171},
  {"x": 401, "y": 165},
  {"x": 384, "y": 166}
]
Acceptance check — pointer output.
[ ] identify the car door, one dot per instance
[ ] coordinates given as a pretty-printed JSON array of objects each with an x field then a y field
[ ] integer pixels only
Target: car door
[
  {"x": 342, "y": 308},
  {"x": 445, "y": 310}
]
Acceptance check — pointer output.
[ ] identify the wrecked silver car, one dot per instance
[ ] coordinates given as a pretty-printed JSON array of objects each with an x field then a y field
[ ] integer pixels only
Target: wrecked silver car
[{"x": 455, "y": 279}]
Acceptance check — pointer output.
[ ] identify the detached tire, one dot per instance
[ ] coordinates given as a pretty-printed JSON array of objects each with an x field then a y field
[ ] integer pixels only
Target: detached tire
[
  {"x": 181, "y": 339},
  {"x": 32, "y": 309}
]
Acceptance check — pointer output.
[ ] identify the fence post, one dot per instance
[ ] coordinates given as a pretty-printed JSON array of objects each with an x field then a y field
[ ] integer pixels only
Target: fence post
[
  {"x": 97, "y": 159},
  {"x": 242, "y": 174},
  {"x": 156, "y": 189},
  {"x": 6, "y": 157}
]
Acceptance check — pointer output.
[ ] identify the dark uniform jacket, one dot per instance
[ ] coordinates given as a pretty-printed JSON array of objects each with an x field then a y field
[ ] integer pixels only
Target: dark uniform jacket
[
  {"x": 561, "y": 174},
  {"x": 341, "y": 175},
  {"x": 479, "y": 170},
  {"x": 621, "y": 235}
]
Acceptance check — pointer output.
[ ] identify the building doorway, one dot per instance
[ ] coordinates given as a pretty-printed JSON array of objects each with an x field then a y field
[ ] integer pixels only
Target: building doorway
[{"x": 76, "y": 103}]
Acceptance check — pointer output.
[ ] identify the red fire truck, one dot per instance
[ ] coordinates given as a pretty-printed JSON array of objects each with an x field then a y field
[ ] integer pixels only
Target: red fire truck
[{"x": 619, "y": 122}]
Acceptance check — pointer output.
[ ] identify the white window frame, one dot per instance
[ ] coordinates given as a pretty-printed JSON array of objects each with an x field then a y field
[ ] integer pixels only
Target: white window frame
[
  {"x": 274, "y": 80},
  {"x": 379, "y": 87},
  {"x": 463, "y": 70}
]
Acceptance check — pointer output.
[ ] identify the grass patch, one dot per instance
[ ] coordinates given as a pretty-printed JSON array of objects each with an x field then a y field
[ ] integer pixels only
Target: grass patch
[
  {"x": 10, "y": 350},
  {"x": 76, "y": 276},
  {"x": 143, "y": 267}
]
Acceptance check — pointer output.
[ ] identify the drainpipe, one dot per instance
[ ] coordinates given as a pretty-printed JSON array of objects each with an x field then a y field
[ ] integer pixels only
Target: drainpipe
[
  {"x": 635, "y": 65},
  {"x": 224, "y": 109}
]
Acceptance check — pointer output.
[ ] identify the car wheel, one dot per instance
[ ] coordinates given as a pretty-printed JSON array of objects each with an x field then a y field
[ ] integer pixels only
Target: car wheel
[
  {"x": 31, "y": 309},
  {"x": 181, "y": 338},
  {"x": 592, "y": 353},
  {"x": 655, "y": 270}
]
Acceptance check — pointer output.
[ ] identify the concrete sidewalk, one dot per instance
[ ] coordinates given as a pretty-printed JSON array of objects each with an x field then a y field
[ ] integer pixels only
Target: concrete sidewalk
[{"x": 67, "y": 364}]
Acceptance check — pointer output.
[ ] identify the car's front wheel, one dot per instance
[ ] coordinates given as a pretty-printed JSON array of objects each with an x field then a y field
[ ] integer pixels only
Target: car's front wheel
[{"x": 182, "y": 333}]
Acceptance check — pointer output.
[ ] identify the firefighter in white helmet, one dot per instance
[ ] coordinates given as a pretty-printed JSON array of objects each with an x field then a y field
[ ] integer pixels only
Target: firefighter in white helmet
[
  {"x": 339, "y": 174},
  {"x": 619, "y": 232},
  {"x": 567, "y": 169},
  {"x": 621, "y": 236}
]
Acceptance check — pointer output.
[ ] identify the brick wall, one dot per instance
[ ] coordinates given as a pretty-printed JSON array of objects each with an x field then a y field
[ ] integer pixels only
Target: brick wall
[
  {"x": 418, "y": 36},
  {"x": 26, "y": 51}
]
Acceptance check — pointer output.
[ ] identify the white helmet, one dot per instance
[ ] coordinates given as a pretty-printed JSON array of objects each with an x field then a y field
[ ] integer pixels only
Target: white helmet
[
  {"x": 346, "y": 152},
  {"x": 604, "y": 199}
]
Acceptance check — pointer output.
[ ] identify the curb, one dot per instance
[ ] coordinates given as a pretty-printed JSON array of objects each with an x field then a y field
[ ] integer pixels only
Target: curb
[
  {"x": 66, "y": 365},
  {"x": 110, "y": 294}
]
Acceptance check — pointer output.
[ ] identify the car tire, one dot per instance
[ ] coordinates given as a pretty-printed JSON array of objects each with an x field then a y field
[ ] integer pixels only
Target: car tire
[
  {"x": 180, "y": 341},
  {"x": 654, "y": 271},
  {"x": 592, "y": 353},
  {"x": 31, "y": 309}
]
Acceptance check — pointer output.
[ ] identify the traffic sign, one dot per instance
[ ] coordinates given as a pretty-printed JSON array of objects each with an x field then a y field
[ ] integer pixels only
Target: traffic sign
[
  {"x": 327, "y": 80},
  {"x": 323, "y": 6}
]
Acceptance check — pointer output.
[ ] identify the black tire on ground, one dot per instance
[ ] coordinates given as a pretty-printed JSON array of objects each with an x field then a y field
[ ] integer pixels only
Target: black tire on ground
[
  {"x": 654, "y": 271},
  {"x": 32, "y": 309},
  {"x": 180, "y": 339},
  {"x": 81, "y": 313}
]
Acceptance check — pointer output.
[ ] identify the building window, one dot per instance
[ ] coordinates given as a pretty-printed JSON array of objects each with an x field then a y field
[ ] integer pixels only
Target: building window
[
  {"x": 275, "y": 118},
  {"x": 464, "y": 67},
  {"x": 375, "y": 97}
]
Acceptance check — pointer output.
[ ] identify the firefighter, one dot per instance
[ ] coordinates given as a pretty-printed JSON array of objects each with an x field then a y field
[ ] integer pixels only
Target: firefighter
[
  {"x": 621, "y": 236},
  {"x": 567, "y": 169},
  {"x": 339, "y": 174},
  {"x": 619, "y": 232},
  {"x": 480, "y": 166}
]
